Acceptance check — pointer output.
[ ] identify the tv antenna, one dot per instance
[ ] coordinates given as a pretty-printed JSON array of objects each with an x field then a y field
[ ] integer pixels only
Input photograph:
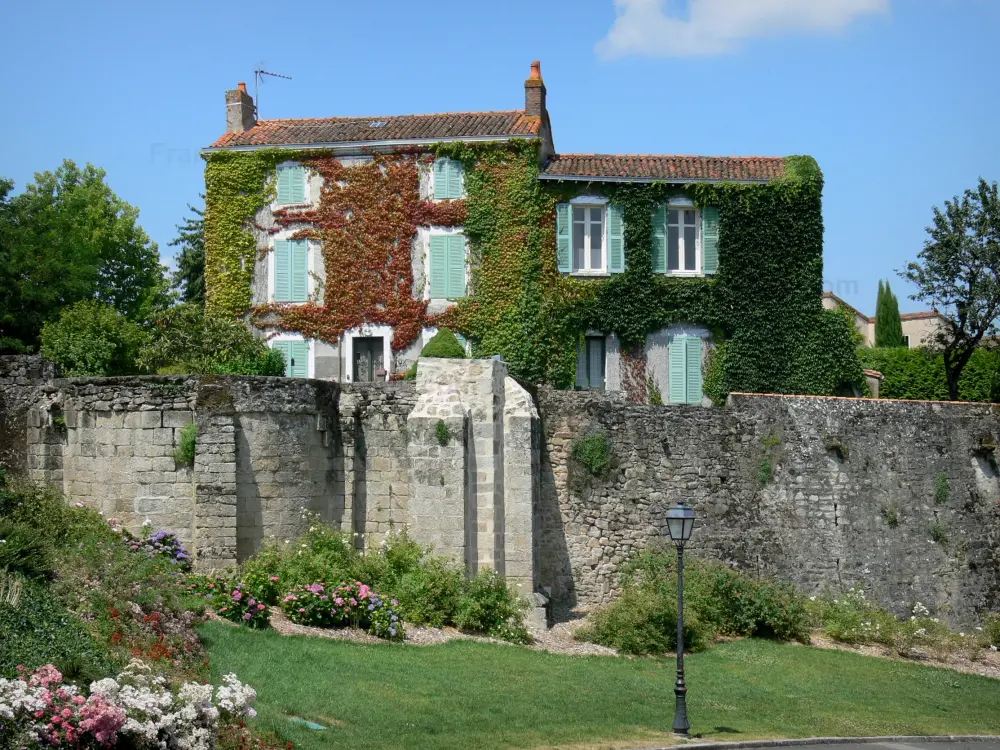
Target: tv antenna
[{"x": 258, "y": 79}]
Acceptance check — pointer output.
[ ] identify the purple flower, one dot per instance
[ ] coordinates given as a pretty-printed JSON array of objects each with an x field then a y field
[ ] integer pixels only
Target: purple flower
[
  {"x": 247, "y": 616},
  {"x": 315, "y": 588}
]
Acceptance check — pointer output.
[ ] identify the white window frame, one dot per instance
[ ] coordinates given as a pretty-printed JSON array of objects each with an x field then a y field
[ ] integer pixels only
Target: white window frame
[
  {"x": 587, "y": 206},
  {"x": 310, "y": 278},
  {"x": 366, "y": 331},
  {"x": 698, "y": 262},
  {"x": 311, "y": 363}
]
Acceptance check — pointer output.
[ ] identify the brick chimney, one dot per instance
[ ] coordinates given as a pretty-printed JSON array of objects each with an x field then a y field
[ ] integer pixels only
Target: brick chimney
[
  {"x": 534, "y": 92},
  {"x": 534, "y": 106},
  {"x": 240, "y": 115}
]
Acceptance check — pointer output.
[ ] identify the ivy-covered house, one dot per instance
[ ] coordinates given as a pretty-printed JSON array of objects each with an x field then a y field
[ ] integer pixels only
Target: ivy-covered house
[{"x": 350, "y": 241}]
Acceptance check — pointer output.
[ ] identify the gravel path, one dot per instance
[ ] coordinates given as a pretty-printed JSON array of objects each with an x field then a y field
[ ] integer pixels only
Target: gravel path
[{"x": 558, "y": 639}]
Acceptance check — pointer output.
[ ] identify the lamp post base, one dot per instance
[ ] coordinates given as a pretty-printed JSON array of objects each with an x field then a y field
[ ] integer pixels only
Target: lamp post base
[{"x": 682, "y": 726}]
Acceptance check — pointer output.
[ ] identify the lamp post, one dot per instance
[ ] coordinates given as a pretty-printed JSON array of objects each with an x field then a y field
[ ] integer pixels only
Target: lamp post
[{"x": 680, "y": 524}]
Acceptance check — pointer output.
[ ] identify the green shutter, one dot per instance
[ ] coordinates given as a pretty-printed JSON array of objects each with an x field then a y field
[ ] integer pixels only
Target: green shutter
[
  {"x": 282, "y": 271},
  {"x": 693, "y": 364},
  {"x": 456, "y": 266},
  {"x": 291, "y": 185},
  {"x": 284, "y": 185},
  {"x": 455, "y": 179},
  {"x": 448, "y": 179},
  {"x": 710, "y": 239},
  {"x": 439, "y": 266},
  {"x": 660, "y": 238},
  {"x": 300, "y": 271},
  {"x": 285, "y": 348},
  {"x": 298, "y": 188},
  {"x": 298, "y": 362},
  {"x": 616, "y": 239},
  {"x": 564, "y": 256},
  {"x": 677, "y": 362}
]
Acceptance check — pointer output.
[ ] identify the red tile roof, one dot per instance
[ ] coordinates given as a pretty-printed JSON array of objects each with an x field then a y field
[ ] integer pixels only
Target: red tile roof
[
  {"x": 384, "y": 128},
  {"x": 922, "y": 315},
  {"x": 665, "y": 167}
]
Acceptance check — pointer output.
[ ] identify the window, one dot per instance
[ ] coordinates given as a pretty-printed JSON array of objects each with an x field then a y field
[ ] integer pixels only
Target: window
[
  {"x": 447, "y": 266},
  {"x": 291, "y": 270},
  {"x": 684, "y": 354},
  {"x": 590, "y": 363},
  {"x": 906, "y": 341},
  {"x": 291, "y": 185},
  {"x": 296, "y": 354},
  {"x": 588, "y": 239},
  {"x": 449, "y": 179},
  {"x": 682, "y": 240}
]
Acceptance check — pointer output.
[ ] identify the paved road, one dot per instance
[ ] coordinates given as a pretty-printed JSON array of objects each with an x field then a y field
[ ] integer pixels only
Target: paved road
[{"x": 883, "y": 745}]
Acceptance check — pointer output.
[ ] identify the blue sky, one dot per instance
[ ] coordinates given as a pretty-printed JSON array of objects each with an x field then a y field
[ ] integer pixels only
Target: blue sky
[{"x": 894, "y": 98}]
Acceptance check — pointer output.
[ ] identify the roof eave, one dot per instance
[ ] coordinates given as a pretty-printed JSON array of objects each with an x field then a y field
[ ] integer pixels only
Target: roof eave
[
  {"x": 363, "y": 145},
  {"x": 669, "y": 180}
]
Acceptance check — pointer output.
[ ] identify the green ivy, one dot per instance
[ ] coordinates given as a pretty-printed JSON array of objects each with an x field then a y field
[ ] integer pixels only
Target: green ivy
[
  {"x": 764, "y": 302},
  {"x": 236, "y": 188}
]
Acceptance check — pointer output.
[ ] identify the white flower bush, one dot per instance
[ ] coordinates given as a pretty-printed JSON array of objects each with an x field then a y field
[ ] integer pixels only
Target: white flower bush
[{"x": 136, "y": 707}]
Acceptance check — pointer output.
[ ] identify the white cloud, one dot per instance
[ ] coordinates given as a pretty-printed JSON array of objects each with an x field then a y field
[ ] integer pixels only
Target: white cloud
[{"x": 713, "y": 27}]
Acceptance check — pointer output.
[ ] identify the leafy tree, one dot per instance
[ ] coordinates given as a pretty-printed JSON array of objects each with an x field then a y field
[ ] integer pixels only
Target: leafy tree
[
  {"x": 888, "y": 325},
  {"x": 189, "y": 278},
  {"x": 67, "y": 238},
  {"x": 92, "y": 338},
  {"x": 958, "y": 274},
  {"x": 186, "y": 341}
]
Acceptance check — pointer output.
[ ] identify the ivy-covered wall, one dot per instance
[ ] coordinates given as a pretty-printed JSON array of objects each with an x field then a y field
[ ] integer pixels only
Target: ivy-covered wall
[{"x": 763, "y": 303}]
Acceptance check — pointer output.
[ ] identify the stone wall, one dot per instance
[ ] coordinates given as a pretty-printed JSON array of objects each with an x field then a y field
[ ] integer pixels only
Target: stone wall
[
  {"x": 22, "y": 379},
  {"x": 828, "y": 493}
]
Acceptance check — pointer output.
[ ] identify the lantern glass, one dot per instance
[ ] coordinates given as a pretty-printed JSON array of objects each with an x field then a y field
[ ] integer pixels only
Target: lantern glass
[{"x": 680, "y": 522}]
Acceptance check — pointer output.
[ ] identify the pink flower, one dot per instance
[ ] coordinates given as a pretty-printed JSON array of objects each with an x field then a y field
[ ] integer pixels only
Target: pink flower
[
  {"x": 339, "y": 602},
  {"x": 364, "y": 591},
  {"x": 324, "y": 597},
  {"x": 302, "y": 610},
  {"x": 67, "y": 713},
  {"x": 275, "y": 579},
  {"x": 354, "y": 602},
  {"x": 247, "y": 616}
]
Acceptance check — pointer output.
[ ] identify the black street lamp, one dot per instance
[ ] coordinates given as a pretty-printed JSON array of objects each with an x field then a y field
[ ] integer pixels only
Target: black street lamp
[{"x": 680, "y": 524}]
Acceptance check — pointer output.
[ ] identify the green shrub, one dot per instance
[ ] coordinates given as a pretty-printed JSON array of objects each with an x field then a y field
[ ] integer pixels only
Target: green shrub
[
  {"x": 941, "y": 489},
  {"x": 92, "y": 339},
  {"x": 268, "y": 362},
  {"x": 489, "y": 606},
  {"x": 186, "y": 341},
  {"x": 40, "y": 630},
  {"x": 718, "y": 601},
  {"x": 653, "y": 394},
  {"x": 187, "y": 445},
  {"x": 411, "y": 372},
  {"x": 919, "y": 374},
  {"x": 594, "y": 453},
  {"x": 442, "y": 433},
  {"x": 23, "y": 550},
  {"x": 644, "y": 621},
  {"x": 939, "y": 533},
  {"x": 991, "y": 630},
  {"x": 890, "y": 515},
  {"x": 765, "y": 471},
  {"x": 429, "y": 594},
  {"x": 445, "y": 345}
]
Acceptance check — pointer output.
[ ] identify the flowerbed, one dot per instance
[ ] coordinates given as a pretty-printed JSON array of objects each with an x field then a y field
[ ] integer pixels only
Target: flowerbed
[
  {"x": 347, "y": 604},
  {"x": 134, "y": 709}
]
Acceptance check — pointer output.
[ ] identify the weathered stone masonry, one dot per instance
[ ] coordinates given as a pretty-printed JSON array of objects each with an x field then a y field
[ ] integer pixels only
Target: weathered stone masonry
[{"x": 828, "y": 493}]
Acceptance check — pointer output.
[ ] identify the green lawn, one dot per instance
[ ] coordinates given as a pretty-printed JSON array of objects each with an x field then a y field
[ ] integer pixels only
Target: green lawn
[{"x": 475, "y": 696}]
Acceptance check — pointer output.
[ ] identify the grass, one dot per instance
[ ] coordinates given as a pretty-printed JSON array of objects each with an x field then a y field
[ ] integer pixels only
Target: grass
[{"x": 478, "y": 696}]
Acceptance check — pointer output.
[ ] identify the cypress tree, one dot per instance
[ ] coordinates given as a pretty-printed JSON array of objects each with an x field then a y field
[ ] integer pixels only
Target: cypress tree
[{"x": 888, "y": 326}]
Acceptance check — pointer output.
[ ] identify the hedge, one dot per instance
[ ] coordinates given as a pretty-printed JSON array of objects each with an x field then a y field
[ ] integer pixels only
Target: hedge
[{"x": 919, "y": 374}]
